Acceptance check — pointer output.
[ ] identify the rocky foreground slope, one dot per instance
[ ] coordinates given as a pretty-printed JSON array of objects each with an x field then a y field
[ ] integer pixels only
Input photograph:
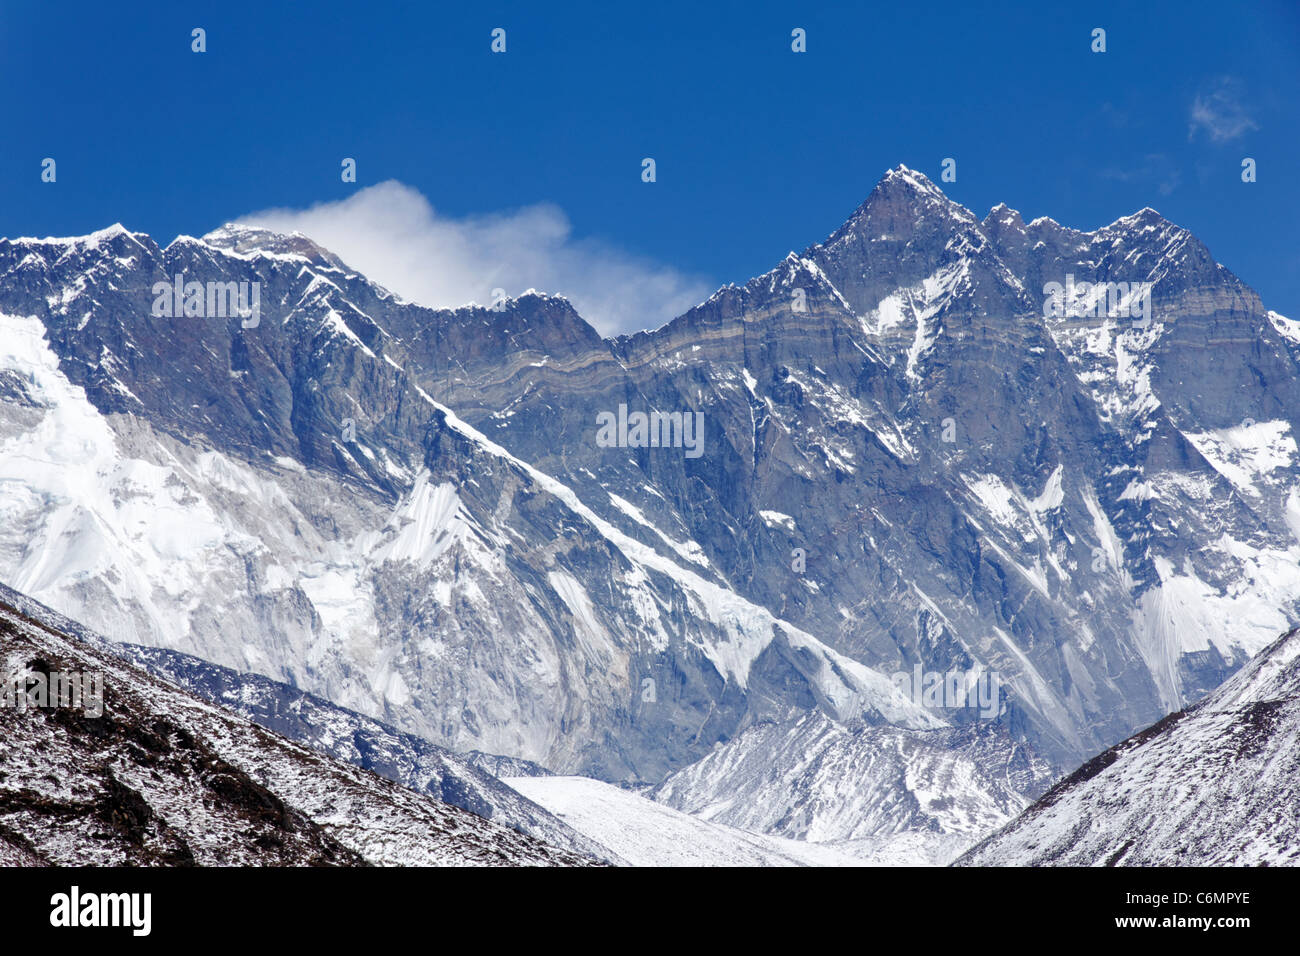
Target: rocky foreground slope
[
  {"x": 467, "y": 781},
  {"x": 1217, "y": 784},
  {"x": 158, "y": 777}
]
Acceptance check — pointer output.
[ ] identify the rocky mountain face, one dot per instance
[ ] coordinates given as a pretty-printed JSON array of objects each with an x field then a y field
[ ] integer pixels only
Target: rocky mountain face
[
  {"x": 1213, "y": 785},
  {"x": 127, "y": 770},
  {"x": 453, "y": 521}
]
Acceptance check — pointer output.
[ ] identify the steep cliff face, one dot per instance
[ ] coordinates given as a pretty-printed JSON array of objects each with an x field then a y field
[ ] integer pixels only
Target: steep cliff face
[{"x": 415, "y": 513}]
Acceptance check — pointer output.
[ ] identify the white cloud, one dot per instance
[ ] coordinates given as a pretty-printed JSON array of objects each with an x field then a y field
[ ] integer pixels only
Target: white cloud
[
  {"x": 1220, "y": 113},
  {"x": 391, "y": 234}
]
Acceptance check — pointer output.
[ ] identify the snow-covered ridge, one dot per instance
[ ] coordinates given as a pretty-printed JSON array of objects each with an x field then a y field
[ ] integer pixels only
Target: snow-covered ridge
[{"x": 89, "y": 242}]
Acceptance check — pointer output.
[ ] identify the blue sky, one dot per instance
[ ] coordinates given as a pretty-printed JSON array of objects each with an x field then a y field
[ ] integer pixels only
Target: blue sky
[{"x": 758, "y": 150}]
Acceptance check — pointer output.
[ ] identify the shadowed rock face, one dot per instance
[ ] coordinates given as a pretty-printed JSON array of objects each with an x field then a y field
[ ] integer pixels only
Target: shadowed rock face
[
  {"x": 155, "y": 777},
  {"x": 407, "y": 511}
]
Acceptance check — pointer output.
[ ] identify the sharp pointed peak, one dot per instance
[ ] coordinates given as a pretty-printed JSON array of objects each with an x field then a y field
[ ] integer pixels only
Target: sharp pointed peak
[
  {"x": 1003, "y": 215},
  {"x": 912, "y": 178},
  {"x": 1146, "y": 213},
  {"x": 905, "y": 192},
  {"x": 1144, "y": 218},
  {"x": 902, "y": 183}
]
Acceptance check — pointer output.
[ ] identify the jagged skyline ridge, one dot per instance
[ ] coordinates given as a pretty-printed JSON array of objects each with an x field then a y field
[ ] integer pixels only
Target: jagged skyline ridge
[
  {"x": 242, "y": 234},
  {"x": 1176, "y": 146}
]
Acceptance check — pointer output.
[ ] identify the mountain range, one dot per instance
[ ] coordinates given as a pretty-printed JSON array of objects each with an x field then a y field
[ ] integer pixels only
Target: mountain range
[{"x": 913, "y": 459}]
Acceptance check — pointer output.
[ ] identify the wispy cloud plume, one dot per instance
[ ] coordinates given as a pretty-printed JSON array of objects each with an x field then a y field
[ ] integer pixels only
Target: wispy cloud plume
[
  {"x": 1219, "y": 112},
  {"x": 393, "y": 235}
]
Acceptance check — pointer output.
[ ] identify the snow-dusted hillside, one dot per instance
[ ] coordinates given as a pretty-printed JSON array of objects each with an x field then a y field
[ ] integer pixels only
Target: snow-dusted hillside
[
  {"x": 469, "y": 782},
  {"x": 162, "y": 778},
  {"x": 1215, "y": 785}
]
